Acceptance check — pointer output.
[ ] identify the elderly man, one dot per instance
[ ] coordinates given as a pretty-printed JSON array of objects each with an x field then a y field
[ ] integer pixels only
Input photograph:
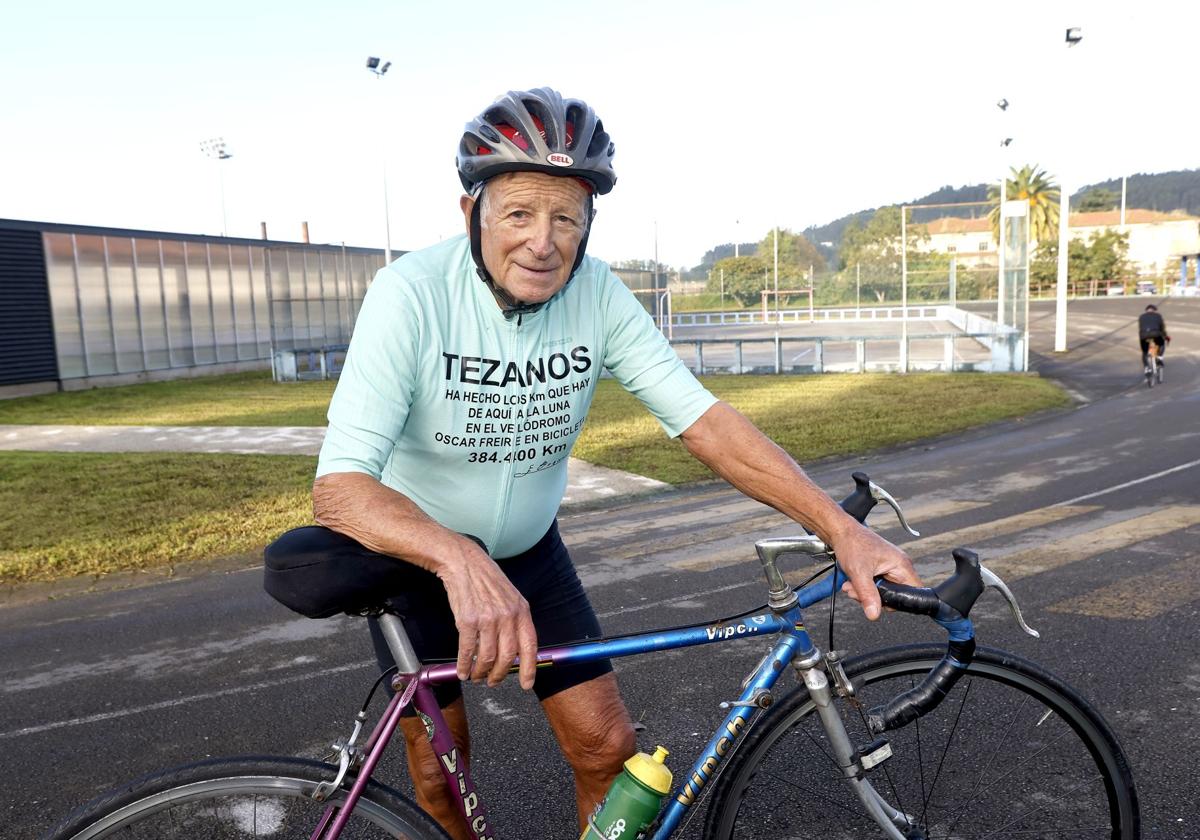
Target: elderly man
[{"x": 471, "y": 370}]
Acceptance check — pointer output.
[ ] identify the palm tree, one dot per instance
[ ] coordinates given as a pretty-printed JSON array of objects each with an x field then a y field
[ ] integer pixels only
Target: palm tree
[{"x": 1033, "y": 185}]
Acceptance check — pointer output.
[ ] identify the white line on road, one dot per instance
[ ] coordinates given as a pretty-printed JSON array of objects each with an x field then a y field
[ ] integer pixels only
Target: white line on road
[
  {"x": 180, "y": 701},
  {"x": 1117, "y": 487}
]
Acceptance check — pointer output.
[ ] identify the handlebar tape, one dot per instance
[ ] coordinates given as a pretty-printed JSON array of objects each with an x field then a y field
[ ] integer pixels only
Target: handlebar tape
[{"x": 948, "y": 604}]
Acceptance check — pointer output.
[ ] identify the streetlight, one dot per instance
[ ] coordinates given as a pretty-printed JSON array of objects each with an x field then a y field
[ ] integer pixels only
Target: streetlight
[
  {"x": 379, "y": 68},
  {"x": 1074, "y": 36},
  {"x": 1000, "y": 267},
  {"x": 215, "y": 149}
]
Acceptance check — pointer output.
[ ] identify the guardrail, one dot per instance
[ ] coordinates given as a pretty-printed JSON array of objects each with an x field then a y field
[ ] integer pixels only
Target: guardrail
[
  {"x": 796, "y": 316},
  {"x": 732, "y": 354},
  {"x": 990, "y": 347},
  {"x": 296, "y": 364}
]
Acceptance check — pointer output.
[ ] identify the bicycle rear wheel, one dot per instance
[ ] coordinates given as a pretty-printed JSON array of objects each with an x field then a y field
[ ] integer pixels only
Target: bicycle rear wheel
[
  {"x": 1011, "y": 752},
  {"x": 241, "y": 798}
]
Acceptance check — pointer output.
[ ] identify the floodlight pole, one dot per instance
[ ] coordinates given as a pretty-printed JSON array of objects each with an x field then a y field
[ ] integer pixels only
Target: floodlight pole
[
  {"x": 903, "y": 289},
  {"x": 379, "y": 68},
  {"x": 215, "y": 149},
  {"x": 1074, "y": 36},
  {"x": 776, "y": 274}
]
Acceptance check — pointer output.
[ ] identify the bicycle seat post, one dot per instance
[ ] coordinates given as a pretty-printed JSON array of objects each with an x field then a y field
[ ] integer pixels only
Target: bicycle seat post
[{"x": 398, "y": 643}]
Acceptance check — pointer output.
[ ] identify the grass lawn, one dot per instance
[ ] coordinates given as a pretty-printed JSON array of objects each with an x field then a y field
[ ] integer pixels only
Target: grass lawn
[
  {"x": 68, "y": 514},
  {"x": 238, "y": 399}
]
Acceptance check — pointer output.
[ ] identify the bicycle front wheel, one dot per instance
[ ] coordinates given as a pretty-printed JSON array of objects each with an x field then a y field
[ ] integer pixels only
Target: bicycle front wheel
[
  {"x": 242, "y": 798},
  {"x": 1011, "y": 752}
]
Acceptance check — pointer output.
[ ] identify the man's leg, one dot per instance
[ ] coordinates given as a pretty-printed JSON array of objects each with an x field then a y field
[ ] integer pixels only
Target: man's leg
[
  {"x": 595, "y": 735},
  {"x": 433, "y": 795},
  {"x": 1145, "y": 354}
]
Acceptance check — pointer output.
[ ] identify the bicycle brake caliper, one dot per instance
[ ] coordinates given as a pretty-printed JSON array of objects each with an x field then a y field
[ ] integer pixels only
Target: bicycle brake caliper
[{"x": 842, "y": 684}]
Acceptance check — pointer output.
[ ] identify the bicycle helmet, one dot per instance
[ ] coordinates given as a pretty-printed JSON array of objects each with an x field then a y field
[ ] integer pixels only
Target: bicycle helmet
[
  {"x": 536, "y": 131},
  {"x": 533, "y": 131}
]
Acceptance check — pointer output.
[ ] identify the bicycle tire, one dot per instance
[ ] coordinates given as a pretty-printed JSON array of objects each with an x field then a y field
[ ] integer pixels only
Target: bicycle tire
[
  {"x": 252, "y": 796},
  {"x": 1062, "y": 775}
]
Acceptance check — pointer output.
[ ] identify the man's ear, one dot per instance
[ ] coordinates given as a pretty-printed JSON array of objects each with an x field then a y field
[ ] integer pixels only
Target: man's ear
[{"x": 466, "y": 204}]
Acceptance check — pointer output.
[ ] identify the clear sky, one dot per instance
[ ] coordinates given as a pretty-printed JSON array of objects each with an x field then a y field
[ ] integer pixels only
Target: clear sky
[{"x": 728, "y": 118}]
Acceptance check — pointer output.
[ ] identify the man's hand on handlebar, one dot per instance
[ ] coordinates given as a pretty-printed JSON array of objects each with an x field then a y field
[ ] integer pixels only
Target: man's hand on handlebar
[{"x": 864, "y": 555}]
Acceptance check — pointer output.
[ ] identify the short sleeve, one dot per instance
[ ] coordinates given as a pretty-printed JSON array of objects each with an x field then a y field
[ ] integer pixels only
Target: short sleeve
[
  {"x": 374, "y": 393},
  {"x": 639, "y": 356}
]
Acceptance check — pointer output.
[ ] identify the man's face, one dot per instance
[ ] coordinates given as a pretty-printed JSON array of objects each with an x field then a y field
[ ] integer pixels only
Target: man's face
[{"x": 531, "y": 225}]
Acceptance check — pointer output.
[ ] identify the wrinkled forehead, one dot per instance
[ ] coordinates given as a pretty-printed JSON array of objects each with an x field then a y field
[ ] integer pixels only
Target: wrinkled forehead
[{"x": 536, "y": 187}]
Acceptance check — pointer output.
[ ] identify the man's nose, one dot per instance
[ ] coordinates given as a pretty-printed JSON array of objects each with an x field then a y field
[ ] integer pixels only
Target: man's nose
[{"x": 541, "y": 238}]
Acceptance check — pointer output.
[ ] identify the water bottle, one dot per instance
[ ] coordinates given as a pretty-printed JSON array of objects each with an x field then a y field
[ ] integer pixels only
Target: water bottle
[{"x": 633, "y": 800}]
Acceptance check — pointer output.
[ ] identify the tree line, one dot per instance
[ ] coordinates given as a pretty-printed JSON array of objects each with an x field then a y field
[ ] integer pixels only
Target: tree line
[{"x": 867, "y": 262}]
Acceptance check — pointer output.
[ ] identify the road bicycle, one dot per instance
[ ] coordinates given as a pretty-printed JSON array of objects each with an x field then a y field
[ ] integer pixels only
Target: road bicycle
[
  {"x": 918, "y": 741},
  {"x": 1154, "y": 365}
]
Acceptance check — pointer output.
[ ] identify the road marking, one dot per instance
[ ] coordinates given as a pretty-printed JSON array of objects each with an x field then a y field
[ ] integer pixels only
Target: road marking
[
  {"x": 989, "y": 530},
  {"x": 916, "y": 513},
  {"x": 626, "y": 526},
  {"x": 181, "y": 701},
  {"x": 1146, "y": 595},
  {"x": 1058, "y": 553},
  {"x": 1116, "y": 487},
  {"x": 729, "y": 556}
]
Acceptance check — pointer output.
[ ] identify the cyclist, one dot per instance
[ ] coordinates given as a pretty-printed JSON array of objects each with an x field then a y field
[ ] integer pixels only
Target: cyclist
[
  {"x": 472, "y": 365},
  {"x": 1152, "y": 328}
]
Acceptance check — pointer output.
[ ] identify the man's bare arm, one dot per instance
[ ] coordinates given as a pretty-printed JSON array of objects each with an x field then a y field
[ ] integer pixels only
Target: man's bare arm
[
  {"x": 492, "y": 617},
  {"x": 733, "y": 447}
]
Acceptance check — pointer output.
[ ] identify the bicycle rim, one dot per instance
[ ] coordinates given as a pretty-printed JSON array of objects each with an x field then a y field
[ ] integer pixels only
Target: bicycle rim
[
  {"x": 241, "y": 799},
  {"x": 1010, "y": 753}
]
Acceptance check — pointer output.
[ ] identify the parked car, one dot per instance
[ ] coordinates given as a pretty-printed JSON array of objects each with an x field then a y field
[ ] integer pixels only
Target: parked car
[
  {"x": 1113, "y": 291},
  {"x": 1146, "y": 287}
]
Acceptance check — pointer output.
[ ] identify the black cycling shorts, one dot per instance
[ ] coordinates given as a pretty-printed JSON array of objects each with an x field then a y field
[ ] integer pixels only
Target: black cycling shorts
[{"x": 319, "y": 573}]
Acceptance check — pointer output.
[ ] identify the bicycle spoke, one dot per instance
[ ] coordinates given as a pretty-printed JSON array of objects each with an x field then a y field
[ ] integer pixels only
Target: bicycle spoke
[
  {"x": 790, "y": 783},
  {"x": 1032, "y": 810},
  {"x": 962, "y": 704},
  {"x": 998, "y": 743}
]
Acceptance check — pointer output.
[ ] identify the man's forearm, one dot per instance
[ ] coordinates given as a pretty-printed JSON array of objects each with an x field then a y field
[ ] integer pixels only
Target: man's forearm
[
  {"x": 382, "y": 519},
  {"x": 733, "y": 447}
]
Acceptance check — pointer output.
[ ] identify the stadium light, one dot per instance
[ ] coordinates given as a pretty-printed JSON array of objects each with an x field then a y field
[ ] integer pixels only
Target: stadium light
[
  {"x": 1074, "y": 36},
  {"x": 373, "y": 65},
  {"x": 215, "y": 149}
]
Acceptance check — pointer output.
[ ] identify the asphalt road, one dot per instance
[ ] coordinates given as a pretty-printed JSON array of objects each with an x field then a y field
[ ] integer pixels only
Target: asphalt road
[{"x": 1091, "y": 513}]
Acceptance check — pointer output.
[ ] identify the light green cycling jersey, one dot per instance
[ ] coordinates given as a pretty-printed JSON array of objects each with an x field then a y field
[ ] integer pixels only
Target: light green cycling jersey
[{"x": 472, "y": 415}]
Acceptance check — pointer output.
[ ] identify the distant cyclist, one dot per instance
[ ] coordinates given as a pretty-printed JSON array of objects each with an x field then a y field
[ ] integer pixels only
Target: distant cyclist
[{"x": 1152, "y": 329}]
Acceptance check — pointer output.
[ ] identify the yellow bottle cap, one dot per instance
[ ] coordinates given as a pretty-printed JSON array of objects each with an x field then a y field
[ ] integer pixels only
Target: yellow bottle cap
[{"x": 650, "y": 770}]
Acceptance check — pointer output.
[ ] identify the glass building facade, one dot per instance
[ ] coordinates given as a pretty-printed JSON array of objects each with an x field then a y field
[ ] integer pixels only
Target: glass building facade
[{"x": 137, "y": 302}]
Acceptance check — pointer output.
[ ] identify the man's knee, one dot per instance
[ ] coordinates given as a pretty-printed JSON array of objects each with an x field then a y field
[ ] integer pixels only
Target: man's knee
[{"x": 601, "y": 741}]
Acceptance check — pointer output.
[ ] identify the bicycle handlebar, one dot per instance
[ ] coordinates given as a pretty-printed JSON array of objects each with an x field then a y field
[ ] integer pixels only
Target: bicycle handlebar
[{"x": 949, "y": 604}]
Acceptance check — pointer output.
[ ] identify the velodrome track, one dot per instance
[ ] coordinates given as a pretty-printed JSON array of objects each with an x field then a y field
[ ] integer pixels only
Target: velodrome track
[{"x": 1091, "y": 513}]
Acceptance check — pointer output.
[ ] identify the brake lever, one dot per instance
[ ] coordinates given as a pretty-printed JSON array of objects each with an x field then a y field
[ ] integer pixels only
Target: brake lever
[
  {"x": 991, "y": 579},
  {"x": 881, "y": 495}
]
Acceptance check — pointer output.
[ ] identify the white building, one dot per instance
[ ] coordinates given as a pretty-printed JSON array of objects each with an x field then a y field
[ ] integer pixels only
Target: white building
[{"x": 1155, "y": 239}]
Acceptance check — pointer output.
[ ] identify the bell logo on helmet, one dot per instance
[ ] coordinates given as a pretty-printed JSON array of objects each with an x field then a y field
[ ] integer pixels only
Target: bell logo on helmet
[{"x": 559, "y": 159}]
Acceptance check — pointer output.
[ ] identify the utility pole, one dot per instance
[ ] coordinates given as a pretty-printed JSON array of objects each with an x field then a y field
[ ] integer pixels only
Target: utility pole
[
  {"x": 379, "y": 68},
  {"x": 1074, "y": 36},
  {"x": 215, "y": 149}
]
